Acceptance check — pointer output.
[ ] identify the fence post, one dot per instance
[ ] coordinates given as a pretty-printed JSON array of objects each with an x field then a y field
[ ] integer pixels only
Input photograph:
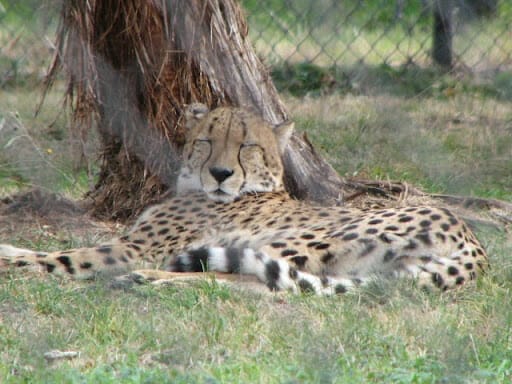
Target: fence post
[
  {"x": 483, "y": 8},
  {"x": 442, "y": 34}
]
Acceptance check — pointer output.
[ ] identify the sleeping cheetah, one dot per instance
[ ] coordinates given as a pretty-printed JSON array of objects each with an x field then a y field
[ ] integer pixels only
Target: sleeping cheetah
[{"x": 232, "y": 215}]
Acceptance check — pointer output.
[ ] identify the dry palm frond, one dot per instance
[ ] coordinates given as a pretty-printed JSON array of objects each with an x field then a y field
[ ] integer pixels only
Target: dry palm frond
[{"x": 126, "y": 77}]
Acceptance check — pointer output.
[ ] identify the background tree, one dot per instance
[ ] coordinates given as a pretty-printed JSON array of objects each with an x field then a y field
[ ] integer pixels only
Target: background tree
[{"x": 442, "y": 33}]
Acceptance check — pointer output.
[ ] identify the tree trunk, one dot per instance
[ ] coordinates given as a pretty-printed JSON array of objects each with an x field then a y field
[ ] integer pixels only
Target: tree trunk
[
  {"x": 131, "y": 67},
  {"x": 442, "y": 34}
]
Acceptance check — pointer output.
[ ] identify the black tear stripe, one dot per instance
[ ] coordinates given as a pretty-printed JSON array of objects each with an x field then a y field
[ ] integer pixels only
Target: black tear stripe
[{"x": 272, "y": 272}]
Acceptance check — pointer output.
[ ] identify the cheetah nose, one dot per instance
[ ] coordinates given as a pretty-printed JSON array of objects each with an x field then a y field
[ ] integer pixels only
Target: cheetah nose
[{"x": 220, "y": 174}]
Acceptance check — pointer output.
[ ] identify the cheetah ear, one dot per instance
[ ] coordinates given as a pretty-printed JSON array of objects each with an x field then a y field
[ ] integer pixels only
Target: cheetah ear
[
  {"x": 283, "y": 132},
  {"x": 194, "y": 113}
]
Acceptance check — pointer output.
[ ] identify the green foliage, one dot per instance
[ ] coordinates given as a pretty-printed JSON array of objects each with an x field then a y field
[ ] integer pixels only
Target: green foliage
[
  {"x": 303, "y": 78},
  {"x": 382, "y": 14},
  {"x": 502, "y": 85},
  {"x": 407, "y": 81},
  {"x": 15, "y": 14}
]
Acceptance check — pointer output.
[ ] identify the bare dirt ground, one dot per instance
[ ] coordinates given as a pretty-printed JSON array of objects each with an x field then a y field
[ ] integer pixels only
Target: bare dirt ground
[{"x": 36, "y": 215}]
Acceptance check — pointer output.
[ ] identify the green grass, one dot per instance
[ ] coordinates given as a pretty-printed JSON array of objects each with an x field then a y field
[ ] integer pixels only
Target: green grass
[
  {"x": 40, "y": 152},
  {"x": 208, "y": 333},
  {"x": 460, "y": 145}
]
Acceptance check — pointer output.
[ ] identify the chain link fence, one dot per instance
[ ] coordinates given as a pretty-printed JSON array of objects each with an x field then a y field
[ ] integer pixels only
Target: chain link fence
[
  {"x": 344, "y": 33},
  {"x": 325, "y": 33},
  {"x": 27, "y": 32}
]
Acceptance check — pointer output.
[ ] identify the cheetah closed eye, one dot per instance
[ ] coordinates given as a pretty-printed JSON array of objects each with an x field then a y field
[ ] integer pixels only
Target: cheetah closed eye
[{"x": 232, "y": 215}]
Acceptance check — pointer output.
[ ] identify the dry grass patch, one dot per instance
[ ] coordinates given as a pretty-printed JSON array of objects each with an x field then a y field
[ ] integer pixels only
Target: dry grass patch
[{"x": 461, "y": 145}]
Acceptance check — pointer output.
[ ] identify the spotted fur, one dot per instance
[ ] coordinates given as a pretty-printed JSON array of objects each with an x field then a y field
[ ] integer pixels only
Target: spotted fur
[{"x": 232, "y": 215}]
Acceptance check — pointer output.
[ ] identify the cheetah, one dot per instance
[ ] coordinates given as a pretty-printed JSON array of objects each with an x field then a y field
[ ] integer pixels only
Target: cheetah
[{"x": 231, "y": 214}]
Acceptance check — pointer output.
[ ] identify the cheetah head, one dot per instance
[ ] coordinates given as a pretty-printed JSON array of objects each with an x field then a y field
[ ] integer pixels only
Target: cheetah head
[{"x": 230, "y": 152}]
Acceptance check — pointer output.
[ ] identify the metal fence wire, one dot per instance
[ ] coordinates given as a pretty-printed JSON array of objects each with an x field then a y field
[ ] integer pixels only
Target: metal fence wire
[
  {"x": 27, "y": 32},
  {"x": 326, "y": 33},
  {"x": 344, "y": 33}
]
